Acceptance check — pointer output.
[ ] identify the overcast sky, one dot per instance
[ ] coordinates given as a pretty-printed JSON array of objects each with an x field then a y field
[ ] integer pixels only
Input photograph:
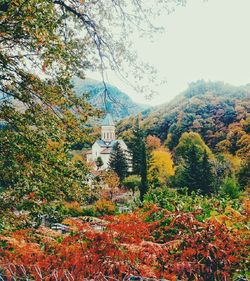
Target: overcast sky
[{"x": 205, "y": 40}]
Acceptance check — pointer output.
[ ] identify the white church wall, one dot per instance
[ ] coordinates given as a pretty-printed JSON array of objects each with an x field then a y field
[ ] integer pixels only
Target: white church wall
[
  {"x": 105, "y": 159},
  {"x": 96, "y": 150}
]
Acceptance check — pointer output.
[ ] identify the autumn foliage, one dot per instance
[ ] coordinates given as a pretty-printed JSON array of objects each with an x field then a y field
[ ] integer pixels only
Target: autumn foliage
[{"x": 151, "y": 242}]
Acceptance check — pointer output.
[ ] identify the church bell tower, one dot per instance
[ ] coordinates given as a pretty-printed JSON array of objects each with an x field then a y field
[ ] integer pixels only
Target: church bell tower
[{"x": 108, "y": 129}]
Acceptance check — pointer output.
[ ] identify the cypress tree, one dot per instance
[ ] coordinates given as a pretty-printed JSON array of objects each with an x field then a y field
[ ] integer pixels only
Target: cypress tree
[
  {"x": 136, "y": 147},
  {"x": 206, "y": 181},
  {"x": 139, "y": 157},
  {"x": 118, "y": 161},
  {"x": 143, "y": 171}
]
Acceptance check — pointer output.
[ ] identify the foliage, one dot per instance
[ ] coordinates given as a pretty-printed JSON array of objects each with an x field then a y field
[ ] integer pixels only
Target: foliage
[
  {"x": 104, "y": 207},
  {"x": 151, "y": 242},
  {"x": 211, "y": 109},
  {"x": 231, "y": 188},
  {"x": 72, "y": 209},
  {"x": 132, "y": 182},
  {"x": 112, "y": 182},
  {"x": 99, "y": 162},
  {"x": 244, "y": 174},
  {"x": 153, "y": 143},
  {"x": 118, "y": 161},
  {"x": 187, "y": 141},
  {"x": 173, "y": 200},
  {"x": 42, "y": 116},
  {"x": 195, "y": 169},
  {"x": 161, "y": 167}
]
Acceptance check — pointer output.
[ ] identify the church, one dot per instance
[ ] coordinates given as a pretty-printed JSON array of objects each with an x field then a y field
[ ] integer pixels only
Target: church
[{"x": 103, "y": 147}]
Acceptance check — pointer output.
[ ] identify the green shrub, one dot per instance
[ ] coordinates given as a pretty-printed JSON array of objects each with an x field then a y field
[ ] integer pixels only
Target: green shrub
[
  {"x": 231, "y": 188},
  {"x": 132, "y": 182},
  {"x": 178, "y": 200}
]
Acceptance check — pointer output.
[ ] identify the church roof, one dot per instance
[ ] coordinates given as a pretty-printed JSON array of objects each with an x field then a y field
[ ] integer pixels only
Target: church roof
[
  {"x": 106, "y": 150},
  {"x": 108, "y": 120},
  {"x": 104, "y": 144}
]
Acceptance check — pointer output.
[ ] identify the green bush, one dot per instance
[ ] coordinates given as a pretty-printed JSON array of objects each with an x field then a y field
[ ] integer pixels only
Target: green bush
[
  {"x": 231, "y": 188},
  {"x": 132, "y": 182},
  {"x": 178, "y": 200}
]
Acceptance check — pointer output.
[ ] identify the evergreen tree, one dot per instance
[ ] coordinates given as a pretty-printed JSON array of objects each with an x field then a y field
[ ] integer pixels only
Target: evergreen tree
[
  {"x": 139, "y": 157},
  {"x": 99, "y": 162},
  {"x": 206, "y": 180},
  {"x": 195, "y": 171},
  {"x": 136, "y": 147},
  {"x": 144, "y": 168},
  {"x": 118, "y": 161},
  {"x": 188, "y": 173}
]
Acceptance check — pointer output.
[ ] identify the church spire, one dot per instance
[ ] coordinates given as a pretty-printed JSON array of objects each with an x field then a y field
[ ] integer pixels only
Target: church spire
[{"x": 108, "y": 128}]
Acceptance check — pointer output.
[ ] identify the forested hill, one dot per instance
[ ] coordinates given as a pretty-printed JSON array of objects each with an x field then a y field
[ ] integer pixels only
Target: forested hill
[
  {"x": 218, "y": 112},
  {"x": 119, "y": 104}
]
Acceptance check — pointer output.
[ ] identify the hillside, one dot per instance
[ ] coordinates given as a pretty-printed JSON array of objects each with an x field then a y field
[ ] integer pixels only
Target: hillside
[
  {"x": 213, "y": 109},
  {"x": 117, "y": 102}
]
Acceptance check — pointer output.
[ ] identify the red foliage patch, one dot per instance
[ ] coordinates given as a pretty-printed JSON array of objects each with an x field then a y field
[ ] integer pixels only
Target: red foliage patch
[{"x": 155, "y": 244}]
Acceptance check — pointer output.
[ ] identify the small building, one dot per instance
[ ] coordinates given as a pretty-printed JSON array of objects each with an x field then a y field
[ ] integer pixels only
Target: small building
[{"x": 103, "y": 147}]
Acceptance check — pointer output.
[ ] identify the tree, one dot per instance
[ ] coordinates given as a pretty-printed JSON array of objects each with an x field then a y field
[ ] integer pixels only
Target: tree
[
  {"x": 132, "y": 182},
  {"x": 231, "y": 188},
  {"x": 206, "y": 174},
  {"x": 194, "y": 170},
  {"x": 244, "y": 174},
  {"x": 99, "y": 162},
  {"x": 138, "y": 148},
  {"x": 43, "y": 118},
  {"x": 161, "y": 167},
  {"x": 187, "y": 141},
  {"x": 153, "y": 143},
  {"x": 111, "y": 179},
  {"x": 118, "y": 161}
]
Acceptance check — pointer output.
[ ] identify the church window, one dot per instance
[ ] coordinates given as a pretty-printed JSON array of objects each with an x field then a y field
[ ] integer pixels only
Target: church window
[{"x": 107, "y": 135}]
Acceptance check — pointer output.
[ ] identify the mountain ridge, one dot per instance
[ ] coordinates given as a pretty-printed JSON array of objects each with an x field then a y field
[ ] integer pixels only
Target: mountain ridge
[
  {"x": 212, "y": 109},
  {"x": 118, "y": 103}
]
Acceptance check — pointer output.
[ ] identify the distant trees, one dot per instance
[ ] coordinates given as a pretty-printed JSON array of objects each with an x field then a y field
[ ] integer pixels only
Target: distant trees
[
  {"x": 244, "y": 174},
  {"x": 153, "y": 142},
  {"x": 215, "y": 110},
  {"x": 118, "y": 161},
  {"x": 193, "y": 164}
]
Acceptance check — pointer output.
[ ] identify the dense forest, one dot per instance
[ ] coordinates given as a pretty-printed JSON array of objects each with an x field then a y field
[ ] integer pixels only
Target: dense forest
[{"x": 217, "y": 111}]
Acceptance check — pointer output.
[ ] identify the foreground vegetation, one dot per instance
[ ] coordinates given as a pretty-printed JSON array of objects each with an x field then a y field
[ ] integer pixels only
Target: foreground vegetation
[{"x": 206, "y": 241}]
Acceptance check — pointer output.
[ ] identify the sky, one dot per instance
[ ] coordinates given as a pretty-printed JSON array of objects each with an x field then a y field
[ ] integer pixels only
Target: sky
[{"x": 207, "y": 40}]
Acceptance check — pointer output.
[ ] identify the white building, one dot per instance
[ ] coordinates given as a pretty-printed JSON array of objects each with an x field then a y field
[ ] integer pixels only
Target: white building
[{"x": 104, "y": 146}]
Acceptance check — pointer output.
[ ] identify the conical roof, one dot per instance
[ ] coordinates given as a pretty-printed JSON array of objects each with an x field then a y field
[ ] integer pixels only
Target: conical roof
[{"x": 108, "y": 120}]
